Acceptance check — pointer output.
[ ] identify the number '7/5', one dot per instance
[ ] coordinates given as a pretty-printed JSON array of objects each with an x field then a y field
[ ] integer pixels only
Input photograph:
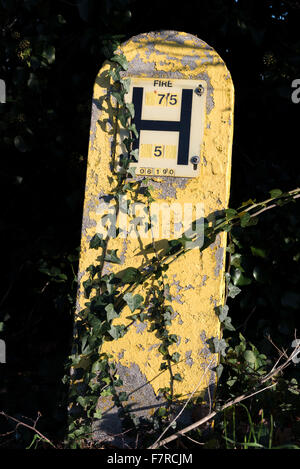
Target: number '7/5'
[{"x": 167, "y": 98}]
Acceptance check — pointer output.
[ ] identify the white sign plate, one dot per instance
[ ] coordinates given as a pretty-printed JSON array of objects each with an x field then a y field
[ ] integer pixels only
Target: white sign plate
[{"x": 169, "y": 117}]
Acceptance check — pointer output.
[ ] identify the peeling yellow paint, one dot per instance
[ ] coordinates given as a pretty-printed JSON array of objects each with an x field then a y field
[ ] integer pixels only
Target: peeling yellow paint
[{"x": 196, "y": 279}]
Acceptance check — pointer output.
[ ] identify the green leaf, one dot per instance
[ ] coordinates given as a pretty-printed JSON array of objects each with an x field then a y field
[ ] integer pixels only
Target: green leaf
[
  {"x": 97, "y": 241},
  {"x": 117, "y": 332},
  {"x": 233, "y": 290},
  {"x": 115, "y": 74},
  {"x": 245, "y": 219},
  {"x": 111, "y": 256},
  {"x": 87, "y": 285},
  {"x": 217, "y": 345},
  {"x": 123, "y": 117},
  {"x": 133, "y": 129},
  {"x": 258, "y": 252},
  {"x": 142, "y": 316},
  {"x": 221, "y": 312},
  {"x": 111, "y": 313},
  {"x": 119, "y": 96},
  {"x": 250, "y": 358},
  {"x": 230, "y": 213},
  {"x": 163, "y": 349},
  {"x": 97, "y": 414},
  {"x": 275, "y": 193},
  {"x": 219, "y": 370},
  {"x": 49, "y": 54},
  {"x": 123, "y": 396},
  {"x": 175, "y": 357},
  {"x": 126, "y": 84},
  {"x": 178, "y": 377},
  {"x": 121, "y": 60},
  {"x": 260, "y": 274},
  {"x": 173, "y": 338},
  {"x": 227, "y": 324},
  {"x": 133, "y": 302},
  {"x": 236, "y": 260},
  {"x": 97, "y": 367},
  {"x": 130, "y": 107},
  {"x": 35, "y": 438},
  {"x": 162, "y": 412},
  {"x": 130, "y": 275},
  {"x": 239, "y": 279},
  {"x": 163, "y": 366}
]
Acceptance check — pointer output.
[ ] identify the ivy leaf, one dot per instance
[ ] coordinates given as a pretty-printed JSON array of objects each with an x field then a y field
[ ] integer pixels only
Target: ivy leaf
[
  {"x": 131, "y": 171},
  {"x": 126, "y": 85},
  {"x": 163, "y": 366},
  {"x": 97, "y": 367},
  {"x": 178, "y": 377},
  {"x": 227, "y": 324},
  {"x": 111, "y": 313},
  {"x": 233, "y": 290},
  {"x": 275, "y": 193},
  {"x": 133, "y": 302},
  {"x": 240, "y": 279},
  {"x": 97, "y": 414},
  {"x": 250, "y": 358},
  {"x": 87, "y": 285},
  {"x": 173, "y": 338},
  {"x": 49, "y": 54},
  {"x": 97, "y": 241},
  {"x": 163, "y": 349},
  {"x": 217, "y": 345},
  {"x": 130, "y": 275},
  {"x": 134, "y": 154},
  {"x": 130, "y": 107},
  {"x": 133, "y": 129},
  {"x": 175, "y": 357},
  {"x": 222, "y": 312},
  {"x": 296, "y": 357},
  {"x": 258, "y": 252},
  {"x": 119, "y": 97},
  {"x": 245, "y": 219},
  {"x": 82, "y": 401},
  {"x": 123, "y": 396},
  {"x": 162, "y": 412},
  {"x": 230, "y": 213},
  {"x": 219, "y": 370},
  {"x": 142, "y": 316},
  {"x": 117, "y": 331},
  {"x": 111, "y": 256},
  {"x": 115, "y": 74},
  {"x": 121, "y": 60},
  {"x": 123, "y": 116}
]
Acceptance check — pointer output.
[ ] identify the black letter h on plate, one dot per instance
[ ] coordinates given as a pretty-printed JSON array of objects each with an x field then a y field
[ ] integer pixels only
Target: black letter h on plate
[{"x": 183, "y": 126}]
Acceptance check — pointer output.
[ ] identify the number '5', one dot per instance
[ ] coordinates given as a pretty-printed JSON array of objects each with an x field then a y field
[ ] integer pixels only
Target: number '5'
[
  {"x": 173, "y": 99},
  {"x": 158, "y": 150}
]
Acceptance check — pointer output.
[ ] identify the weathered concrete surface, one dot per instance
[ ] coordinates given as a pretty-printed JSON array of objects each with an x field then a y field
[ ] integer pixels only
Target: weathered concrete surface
[{"x": 196, "y": 279}]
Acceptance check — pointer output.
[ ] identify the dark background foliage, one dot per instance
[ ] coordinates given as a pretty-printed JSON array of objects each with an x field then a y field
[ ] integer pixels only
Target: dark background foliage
[{"x": 50, "y": 53}]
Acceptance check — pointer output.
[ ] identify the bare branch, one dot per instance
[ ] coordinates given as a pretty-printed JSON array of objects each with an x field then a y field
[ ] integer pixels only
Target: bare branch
[
  {"x": 43, "y": 437},
  {"x": 274, "y": 371}
]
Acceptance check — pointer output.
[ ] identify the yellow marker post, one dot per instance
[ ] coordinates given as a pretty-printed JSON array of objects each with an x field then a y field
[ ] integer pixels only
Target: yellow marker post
[{"x": 183, "y": 97}]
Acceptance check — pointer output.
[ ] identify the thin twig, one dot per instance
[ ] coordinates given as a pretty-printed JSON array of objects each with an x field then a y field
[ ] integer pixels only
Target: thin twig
[
  {"x": 186, "y": 403},
  {"x": 208, "y": 417},
  {"x": 43, "y": 437},
  {"x": 238, "y": 399}
]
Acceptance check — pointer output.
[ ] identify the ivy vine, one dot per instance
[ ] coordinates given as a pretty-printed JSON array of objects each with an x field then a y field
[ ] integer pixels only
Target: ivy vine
[{"x": 93, "y": 373}]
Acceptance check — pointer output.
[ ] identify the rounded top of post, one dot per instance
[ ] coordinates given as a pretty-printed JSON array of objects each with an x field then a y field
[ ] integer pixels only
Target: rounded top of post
[
  {"x": 177, "y": 37},
  {"x": 170, "y": 53}
]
